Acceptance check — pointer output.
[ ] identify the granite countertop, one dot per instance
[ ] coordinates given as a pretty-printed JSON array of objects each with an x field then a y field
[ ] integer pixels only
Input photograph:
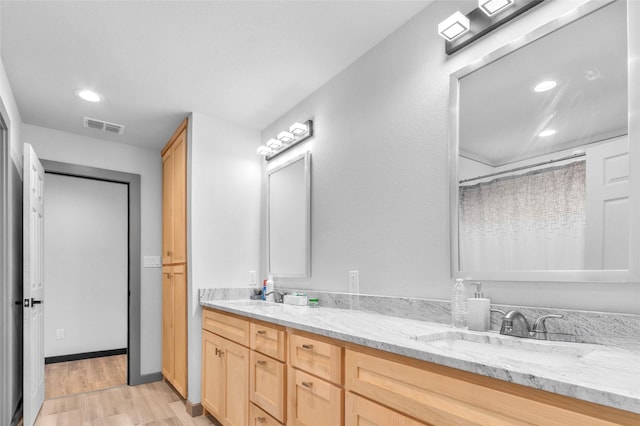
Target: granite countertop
[{"x": 601, "y": 374}]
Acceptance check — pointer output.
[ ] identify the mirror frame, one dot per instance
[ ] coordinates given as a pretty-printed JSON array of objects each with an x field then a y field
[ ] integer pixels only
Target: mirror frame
[
  {"x": 306, "y": 158},
  {"x": 632, "y": 274}
]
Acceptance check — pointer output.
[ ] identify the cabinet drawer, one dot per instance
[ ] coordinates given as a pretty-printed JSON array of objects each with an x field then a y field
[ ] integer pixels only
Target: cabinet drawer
[
  {"x": 227, "y": 326},
  {"x": 316, "y": 357},
  {"x": 436, "y": 397},
  {"x": 267, "y": 384},
  {"x": 268, "y": 340},
  {"x": 313, "y": 401},
  {"x": 359, "y": 411},
  {"x": 258, "y": 417}
]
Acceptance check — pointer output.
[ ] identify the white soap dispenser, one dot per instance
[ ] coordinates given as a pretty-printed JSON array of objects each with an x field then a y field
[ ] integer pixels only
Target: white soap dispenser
[{"x": 478, "y": 310}]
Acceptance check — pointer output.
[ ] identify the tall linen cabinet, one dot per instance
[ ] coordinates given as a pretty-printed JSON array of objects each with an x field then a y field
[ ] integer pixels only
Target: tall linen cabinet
[{"x": 174, "y": 260}]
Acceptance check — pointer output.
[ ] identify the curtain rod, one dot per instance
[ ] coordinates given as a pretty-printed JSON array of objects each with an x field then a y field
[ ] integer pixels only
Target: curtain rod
[{"x": 516, "y": 169}]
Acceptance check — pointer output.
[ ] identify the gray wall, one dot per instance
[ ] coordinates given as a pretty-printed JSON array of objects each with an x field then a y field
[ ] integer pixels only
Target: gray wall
[
  {"x": 68, "y": 148},
  {"x": 86, "y": 245},
  {"x": 380, "y": 171}
]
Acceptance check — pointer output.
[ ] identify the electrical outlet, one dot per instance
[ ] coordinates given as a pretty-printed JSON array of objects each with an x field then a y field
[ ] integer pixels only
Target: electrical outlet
[
  {"x": 354, "y": 282},
  {"x": 253, "y": 278},
  {"x": 59, "y": 333}
]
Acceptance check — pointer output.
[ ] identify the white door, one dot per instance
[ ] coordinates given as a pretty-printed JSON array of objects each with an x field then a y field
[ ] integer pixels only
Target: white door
[
  {"x": 607, "y": 232},
  {"x": 33, "y": 259}
]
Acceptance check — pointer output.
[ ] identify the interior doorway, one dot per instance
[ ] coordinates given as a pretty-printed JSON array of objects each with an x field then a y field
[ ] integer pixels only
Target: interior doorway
[{"x": 131, "y": 357}]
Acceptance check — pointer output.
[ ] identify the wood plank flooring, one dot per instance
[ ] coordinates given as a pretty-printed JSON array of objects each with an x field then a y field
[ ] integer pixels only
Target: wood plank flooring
[
  {"x": 72, "y": 377},
  {"x": 152, "y": 404}
]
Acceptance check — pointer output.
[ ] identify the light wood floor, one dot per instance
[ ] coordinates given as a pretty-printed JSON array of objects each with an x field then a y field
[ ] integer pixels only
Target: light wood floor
[
  {"x": 72, "y": 377},
  {"x": 151, "y": 404}
]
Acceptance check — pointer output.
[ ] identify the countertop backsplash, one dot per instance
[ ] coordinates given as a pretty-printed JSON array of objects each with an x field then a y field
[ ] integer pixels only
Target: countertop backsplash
[{"x": 577, "y": 326}]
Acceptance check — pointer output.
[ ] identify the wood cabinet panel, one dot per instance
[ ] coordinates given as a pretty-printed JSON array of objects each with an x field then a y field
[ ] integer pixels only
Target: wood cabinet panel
[
  {"x": 174, "y": 327},
  {"x": 268, "y": 340},
  {"x": 167, "y": 325},
  {"x": 227, "y": 326},
  {"x": 362, "y": 412},
  {"x": 179, "y": 250},
  {"x": 213, "y": 374},
  {"x": 438, "y": 398},
  {"x": 313, "y": 401},
  {"x": 236, "y": 362},
  {"x": 316, "y": 357},
  {"x": 167, "y": 207},
  {"x": 267, "y": 384},
  {"x": 259, "y": 417}
]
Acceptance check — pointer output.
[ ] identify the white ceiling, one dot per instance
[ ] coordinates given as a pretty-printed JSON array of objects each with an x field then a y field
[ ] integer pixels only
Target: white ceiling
[{"x": 246, "y": 62}]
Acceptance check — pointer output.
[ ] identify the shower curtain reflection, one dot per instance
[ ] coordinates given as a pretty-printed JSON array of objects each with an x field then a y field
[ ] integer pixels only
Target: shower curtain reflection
[{"x": 531, "y": 221}]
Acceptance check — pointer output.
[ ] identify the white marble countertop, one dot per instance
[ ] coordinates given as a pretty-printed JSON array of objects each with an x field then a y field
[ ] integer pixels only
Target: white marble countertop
[{"x": 601, "y": 374}]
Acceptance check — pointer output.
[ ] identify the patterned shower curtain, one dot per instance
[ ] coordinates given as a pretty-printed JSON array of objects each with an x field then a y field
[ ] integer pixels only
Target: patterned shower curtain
[{"x": 531, "y": 221}]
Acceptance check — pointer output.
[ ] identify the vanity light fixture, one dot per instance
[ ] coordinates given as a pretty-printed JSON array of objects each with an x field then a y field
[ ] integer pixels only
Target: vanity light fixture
[
  {"x": 88, "y": 95},
  {"x": 546, "y": 133},
  {"x": 545, "y": 86},
  {"x": 274, "y": 144},
  {"x": 454, "y": 26},
  {"x": 463, "y": 30},
  {"x": 298, "y": 132},
  {"x": 263, "y": 150},
  {"x": 491, "y": 7}
]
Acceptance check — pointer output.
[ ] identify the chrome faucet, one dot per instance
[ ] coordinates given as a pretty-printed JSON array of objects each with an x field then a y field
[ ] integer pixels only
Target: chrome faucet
[{"x": 515, "y": 324}]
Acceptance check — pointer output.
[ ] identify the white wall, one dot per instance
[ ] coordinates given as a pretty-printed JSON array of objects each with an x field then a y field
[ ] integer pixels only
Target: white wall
[
  {"x": 11, "y": 277},
  {"x": 86, "y": 265},
  {"x": 65, "y": 147},
  {"x": 224, "y": 218},
  {"x": 380, "y": 171}
]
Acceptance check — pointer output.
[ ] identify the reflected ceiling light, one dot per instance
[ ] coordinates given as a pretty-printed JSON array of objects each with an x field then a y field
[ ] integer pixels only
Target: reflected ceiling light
[
  {"x": 285, "y": 137},
  {"x": 546, "y": 133},
  {"x": 88, "y": 95},
  {"x": 454, "y": 26},
  {"x": 544, "y": 86},
  {"x": 298, "y": 129},
  {"x": 263, "y": 150},
  {"x": 274, "y": 144},
  {"x": 491, "y": 7}
]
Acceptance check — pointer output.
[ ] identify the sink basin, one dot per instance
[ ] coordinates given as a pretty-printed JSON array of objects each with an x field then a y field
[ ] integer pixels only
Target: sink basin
[{"x": 506, "y": 349}]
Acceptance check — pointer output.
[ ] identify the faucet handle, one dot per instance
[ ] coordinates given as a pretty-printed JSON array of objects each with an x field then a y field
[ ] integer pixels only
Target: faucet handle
[{"x": 540, "y": 326}]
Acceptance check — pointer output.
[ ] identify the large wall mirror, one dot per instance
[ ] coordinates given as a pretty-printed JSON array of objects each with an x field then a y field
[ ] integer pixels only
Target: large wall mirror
[
  {"x": 545, "y": 153},
  {"x": 289, "y": 218}
]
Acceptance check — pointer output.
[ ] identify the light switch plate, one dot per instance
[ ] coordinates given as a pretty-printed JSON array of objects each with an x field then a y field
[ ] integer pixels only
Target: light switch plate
[
  {"x": 152, "y": 262},
  {"x": 253, "y": 278}
]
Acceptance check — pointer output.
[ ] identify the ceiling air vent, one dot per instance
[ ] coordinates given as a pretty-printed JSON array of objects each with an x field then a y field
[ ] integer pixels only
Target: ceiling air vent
[{"x": 92, "y": 123}]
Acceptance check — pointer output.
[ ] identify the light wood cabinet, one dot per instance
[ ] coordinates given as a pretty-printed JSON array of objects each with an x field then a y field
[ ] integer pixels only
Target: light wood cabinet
[
  {"x": 360, "y": 411},
  {"x": 174, "y": 198},
  {"x": 258, "y": 417},
  {"x": 267, "y": 384},
  {"x": 225, "y": 375},
  {"x": 174, "y": 326},
  {"x": 268, "y": 340},
  {"x": 313, "y": 401},
  {"x": 225, "y": 325},
  {"x": 316, "y": 356},
  {"x": 174, "y": 258}
]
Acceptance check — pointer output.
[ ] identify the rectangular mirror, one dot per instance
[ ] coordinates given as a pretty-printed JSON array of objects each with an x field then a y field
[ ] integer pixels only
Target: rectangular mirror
[
  {"x": 289, "y": 218},
  {"x": 545, "y": 153}
]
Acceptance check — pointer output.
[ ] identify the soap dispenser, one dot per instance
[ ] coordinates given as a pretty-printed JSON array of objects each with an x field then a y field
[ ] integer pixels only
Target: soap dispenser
[{"x": 478, "y": 310}]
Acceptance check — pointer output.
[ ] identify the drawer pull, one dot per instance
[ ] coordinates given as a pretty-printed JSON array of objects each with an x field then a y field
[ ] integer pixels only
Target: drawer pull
[
  {"x": 261, "y": 332},
  {"x": 261, "y": 419},
  {"x": 307, "y": 347},
  {"x": 261, "y": 362},
  {"x": 307, "y": 384}
]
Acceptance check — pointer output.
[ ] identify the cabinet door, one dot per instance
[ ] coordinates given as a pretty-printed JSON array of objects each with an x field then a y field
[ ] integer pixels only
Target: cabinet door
[
  {"x": 236, "y": 359},
  {"x": 168, "y": 339},
  {"x": 180, "y": 329},
  {"x": 258, "y": 417},
  {"x": 179, "y": 154},
  {"x": 213, "y": 374},
  {"x": 167, "y": 207},
  {"x": 267, "y": 384},
  {"x": 360, "y": 412},
  {"x": 312, "y": 401}
]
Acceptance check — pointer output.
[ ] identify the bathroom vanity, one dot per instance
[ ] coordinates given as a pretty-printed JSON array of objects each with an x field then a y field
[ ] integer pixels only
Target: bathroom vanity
[{"x": 273, "y": 364}]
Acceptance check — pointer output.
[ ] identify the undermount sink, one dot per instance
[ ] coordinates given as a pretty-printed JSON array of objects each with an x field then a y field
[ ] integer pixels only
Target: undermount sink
[{"x": 507, "y": 349}]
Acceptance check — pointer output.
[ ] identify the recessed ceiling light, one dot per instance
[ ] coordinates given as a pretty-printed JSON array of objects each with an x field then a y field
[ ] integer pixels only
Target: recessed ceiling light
[
  {"x": 545, "y": 133},
  {"x": 88, "y": 95},
  {"x": 544, "y": 86}
]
